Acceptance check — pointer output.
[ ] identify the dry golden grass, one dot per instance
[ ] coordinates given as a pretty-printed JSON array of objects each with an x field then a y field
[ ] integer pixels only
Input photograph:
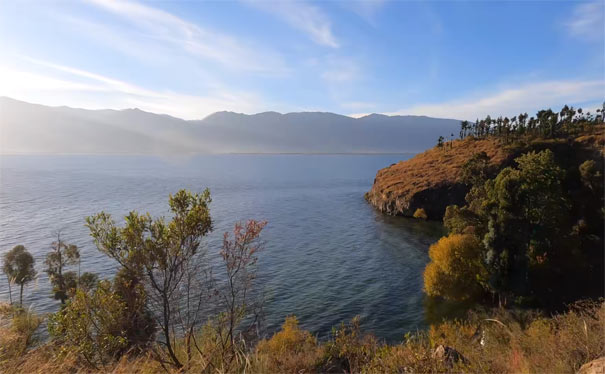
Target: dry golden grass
[
  {"x": 435, "y": 167},
  {"x": 506, "y": 342},
  {"x": 292, "y": 350},
  {"x": 17, "y": 333},
  {"x": 397, "y": 184}
]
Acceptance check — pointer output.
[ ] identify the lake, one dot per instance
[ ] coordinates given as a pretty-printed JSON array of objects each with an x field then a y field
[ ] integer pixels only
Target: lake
[{"x": 329, "y": 255}]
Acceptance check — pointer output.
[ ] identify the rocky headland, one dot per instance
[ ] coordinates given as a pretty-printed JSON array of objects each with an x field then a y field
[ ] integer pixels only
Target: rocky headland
[{"x": 431, "y": 180}]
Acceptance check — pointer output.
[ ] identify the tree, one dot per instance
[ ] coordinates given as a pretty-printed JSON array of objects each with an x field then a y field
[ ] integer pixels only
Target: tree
[
  {"x": 57, "y": 260},
  {"x": 475, "y": 171},
  {"x": 88, "y": 282},
  {"x": 440, "y": 142},
  {"x": 237, "y": 323},
  {"x": 462, "y": 221},
  {"x": 590, "y": 174},
  {"x": 525, "y": 207},
  {"x": 159, "y": 255},
  {"x": 240, "y": 309},
  {"x": 19, "y": 269},
  {"x": 456, "y": 271},
  {"x": 464, "y": 127}
]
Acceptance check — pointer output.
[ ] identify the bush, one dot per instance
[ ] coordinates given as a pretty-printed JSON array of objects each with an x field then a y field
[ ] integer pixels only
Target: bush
[
  {"x": 456, "y": 271},
  {"x": 498, "y": 341},
  {"x": 349, "y": 350},
  {"x": 420, "y": 213},
  {"x": 290, "y": 350},
  {"x": 90, "y": 326},
  {"x": 521, "y": 342}
]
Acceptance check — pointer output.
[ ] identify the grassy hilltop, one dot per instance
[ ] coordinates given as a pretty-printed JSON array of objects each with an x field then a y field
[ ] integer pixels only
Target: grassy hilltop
[{"x": 432, "y": 180}]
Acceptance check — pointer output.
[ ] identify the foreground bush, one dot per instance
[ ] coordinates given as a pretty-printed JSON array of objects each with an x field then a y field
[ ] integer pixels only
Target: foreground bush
[
  {"x": 90, "y": 326},
  {"x": 506, "y": 342},
  {"x": 292, "y": 350}
]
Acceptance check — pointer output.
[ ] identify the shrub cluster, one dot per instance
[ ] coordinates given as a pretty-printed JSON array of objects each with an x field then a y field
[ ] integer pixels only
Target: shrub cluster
[
  {"x": 503, "y": 341},
  {"x": 522, "y": 231}
]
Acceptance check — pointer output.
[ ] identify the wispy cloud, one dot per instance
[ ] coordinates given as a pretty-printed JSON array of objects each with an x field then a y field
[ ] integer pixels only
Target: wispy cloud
[
  {"x": 512, "y": 101},
  {"x": 303, "y": 16},
  {"x": 161, "y": 26},
  {"x": 366, "y": 9},
  {"x": 588, "y": 21},
  {"x": 64, "y": 85}
]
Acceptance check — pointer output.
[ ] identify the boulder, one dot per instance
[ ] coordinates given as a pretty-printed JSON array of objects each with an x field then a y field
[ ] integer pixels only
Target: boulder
[
  {"x": 448, "y": 355},
  {"x": 593, "y": 367}
]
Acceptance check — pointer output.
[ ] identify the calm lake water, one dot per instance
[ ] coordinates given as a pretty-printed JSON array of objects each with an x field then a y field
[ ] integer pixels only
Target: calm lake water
[{"x": 329, "y": 255}]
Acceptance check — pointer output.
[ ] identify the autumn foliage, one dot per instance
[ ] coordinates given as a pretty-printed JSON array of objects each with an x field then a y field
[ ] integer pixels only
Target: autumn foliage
[{"x": 455, "y": 270}]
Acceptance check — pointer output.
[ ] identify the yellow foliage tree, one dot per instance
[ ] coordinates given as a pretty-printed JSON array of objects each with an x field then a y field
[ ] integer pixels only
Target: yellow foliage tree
[
  {"x": 456, "y": 271},
  {"x": 291, "y": 350},
  {"x": 420, "y": 213}
]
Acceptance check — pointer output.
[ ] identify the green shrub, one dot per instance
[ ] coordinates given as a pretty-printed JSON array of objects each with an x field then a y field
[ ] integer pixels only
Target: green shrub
[{"x": 90, "y": 325}]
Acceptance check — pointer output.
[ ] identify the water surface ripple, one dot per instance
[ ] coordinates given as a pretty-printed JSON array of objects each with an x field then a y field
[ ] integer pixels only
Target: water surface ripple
[{"x": 329, "y": 255}]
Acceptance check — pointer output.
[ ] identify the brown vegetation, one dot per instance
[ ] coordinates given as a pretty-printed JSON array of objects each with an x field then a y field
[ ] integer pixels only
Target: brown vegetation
[
  {"x": 420, "y": 213},
  {"x": 506, "y": 342},
  {"x": 432, "y": 179},
  {"x": 397, "y": 189}
]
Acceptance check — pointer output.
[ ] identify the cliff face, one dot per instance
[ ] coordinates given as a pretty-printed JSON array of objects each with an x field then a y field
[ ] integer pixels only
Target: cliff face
[{"x": 430, "y": 180}]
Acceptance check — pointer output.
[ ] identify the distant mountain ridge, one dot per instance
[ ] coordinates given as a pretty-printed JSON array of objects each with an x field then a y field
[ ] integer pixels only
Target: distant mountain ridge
[{"x": 33, "y": 128}]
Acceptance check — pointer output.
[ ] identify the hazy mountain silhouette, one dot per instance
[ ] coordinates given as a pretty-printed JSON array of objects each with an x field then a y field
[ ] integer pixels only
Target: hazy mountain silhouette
[{"x": 32, "y": 128}]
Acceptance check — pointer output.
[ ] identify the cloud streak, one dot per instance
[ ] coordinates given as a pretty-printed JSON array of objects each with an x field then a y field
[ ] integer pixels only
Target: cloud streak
[
  {"x": 194, "y": 40},
  {"x": 366, "y": 9},
  {"x": 301, "y": 16},
  {"x": 60, "y": 85},
  {"x": 512, "y": 101},
  {"x": 588, "y": 21}
]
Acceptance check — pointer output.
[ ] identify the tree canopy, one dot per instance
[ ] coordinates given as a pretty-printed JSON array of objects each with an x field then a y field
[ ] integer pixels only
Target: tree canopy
[
  {"x": 531, "y": 223},
  {"x": 18, "y": 265}
]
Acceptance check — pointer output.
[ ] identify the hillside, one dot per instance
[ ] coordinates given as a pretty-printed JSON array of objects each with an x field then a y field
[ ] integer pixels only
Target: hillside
[
  {"x": 31, "y": 128},
  {"x": 431, "y": 180}
]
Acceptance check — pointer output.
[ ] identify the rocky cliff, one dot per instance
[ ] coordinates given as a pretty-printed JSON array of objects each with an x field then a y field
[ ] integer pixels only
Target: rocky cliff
[{"x": 431, "y": 180}]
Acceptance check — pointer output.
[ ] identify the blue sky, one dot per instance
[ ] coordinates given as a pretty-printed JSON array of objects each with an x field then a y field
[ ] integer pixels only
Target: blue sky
[{"x": 454, "y": 59}]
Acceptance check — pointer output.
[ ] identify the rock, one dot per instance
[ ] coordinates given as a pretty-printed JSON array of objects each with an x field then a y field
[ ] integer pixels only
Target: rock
[
  {"x": 593, "y": 367},
  {"x": 448, "y": 355}
]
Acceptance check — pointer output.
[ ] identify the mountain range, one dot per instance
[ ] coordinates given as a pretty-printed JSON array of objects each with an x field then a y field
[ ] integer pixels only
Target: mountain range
[{"x": 31, "y": 128}]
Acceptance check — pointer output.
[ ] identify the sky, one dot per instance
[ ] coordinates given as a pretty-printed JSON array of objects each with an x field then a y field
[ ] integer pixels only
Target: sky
[{"x": 450, "y": 59}]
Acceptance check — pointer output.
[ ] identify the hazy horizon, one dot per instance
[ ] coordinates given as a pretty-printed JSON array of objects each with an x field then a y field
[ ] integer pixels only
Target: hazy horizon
[
  {"x": 353, "y": 116},
  {"x": 27, "y": 128}
]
